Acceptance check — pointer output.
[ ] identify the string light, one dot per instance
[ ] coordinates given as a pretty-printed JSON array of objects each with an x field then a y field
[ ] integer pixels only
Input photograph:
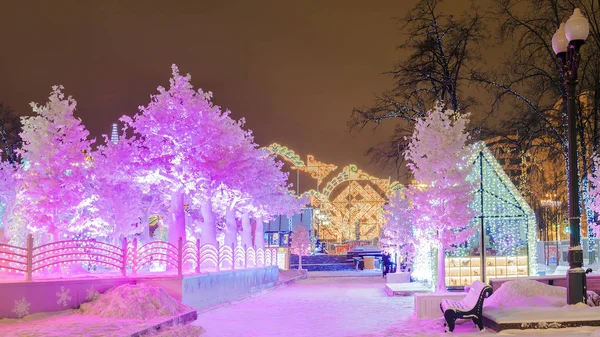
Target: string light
[{"x": 509, "y": 221}]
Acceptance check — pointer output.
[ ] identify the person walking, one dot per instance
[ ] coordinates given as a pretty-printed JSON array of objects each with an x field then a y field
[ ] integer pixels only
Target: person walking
[{"x": 386, "y": 258}]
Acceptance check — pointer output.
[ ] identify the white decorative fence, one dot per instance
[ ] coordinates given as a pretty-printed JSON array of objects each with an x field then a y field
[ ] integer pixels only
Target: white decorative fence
[{"x": 188, "y": 257}]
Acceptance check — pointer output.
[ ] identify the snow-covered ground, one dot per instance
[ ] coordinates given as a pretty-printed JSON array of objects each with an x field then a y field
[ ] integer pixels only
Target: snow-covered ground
[
  {"x": 344, "y": 307},
  {"x": 333, "y": 307}
]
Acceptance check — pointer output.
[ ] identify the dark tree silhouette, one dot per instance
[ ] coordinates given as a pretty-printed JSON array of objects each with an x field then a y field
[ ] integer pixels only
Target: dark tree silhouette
[
  {"x": 10, "y": 129},
  {"x": 441, "y": 48}
]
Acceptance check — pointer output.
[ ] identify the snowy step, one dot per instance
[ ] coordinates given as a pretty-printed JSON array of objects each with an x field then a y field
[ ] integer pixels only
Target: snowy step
[
  {"x": 405, "y": 289},
  {"x": 399, "y": 277}
]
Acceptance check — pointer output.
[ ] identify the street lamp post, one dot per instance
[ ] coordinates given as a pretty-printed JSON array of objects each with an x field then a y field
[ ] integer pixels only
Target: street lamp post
[{"x": 566, "y": 43}]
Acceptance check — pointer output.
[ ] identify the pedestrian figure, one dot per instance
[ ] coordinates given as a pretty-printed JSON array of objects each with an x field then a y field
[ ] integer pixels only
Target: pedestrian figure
[{"x": 386, "y": 258}]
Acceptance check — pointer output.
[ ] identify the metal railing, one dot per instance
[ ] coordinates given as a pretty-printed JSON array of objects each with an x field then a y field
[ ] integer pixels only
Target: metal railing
[{"x": 189, "y": 257}]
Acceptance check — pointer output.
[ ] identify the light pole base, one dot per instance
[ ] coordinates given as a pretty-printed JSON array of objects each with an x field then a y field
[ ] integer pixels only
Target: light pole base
[{"x": 576, "y": 281}]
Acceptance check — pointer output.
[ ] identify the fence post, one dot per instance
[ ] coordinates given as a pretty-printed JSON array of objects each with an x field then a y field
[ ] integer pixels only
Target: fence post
[
  {"x": 198, "y": 256},
  {"x": 180, "y": 256},
  {"x": 273, "y": 257},
  {"x": 29, "y": 266},
  {"x": 232, "y": 256},
  {"x": 124, "y": 251},
  {"x": 134, "y": 258},
  {"x": 245, "y": 256},
  {"x": 218, "y": 256}
]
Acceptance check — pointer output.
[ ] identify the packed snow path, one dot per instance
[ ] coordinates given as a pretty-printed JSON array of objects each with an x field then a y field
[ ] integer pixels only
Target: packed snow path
[{"x": 339, "y": 307}]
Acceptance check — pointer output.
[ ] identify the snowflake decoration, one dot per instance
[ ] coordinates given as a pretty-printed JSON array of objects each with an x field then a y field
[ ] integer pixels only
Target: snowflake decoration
[
  {"x": 21, "y": 307},
  {"x": 63, "y": 296},
  {"x": 91, "y": 294}
]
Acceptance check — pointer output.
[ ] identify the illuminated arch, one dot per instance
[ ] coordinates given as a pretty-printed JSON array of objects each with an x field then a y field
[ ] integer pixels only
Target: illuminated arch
[
  {"x": 287, "y": 154},
  {"x": 352, "y": 172},
  {"x": 355, "y": 211}
]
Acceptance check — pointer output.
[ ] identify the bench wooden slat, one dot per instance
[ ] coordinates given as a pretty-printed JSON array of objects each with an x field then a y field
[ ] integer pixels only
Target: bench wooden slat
[{"x": 469, "y": 307}]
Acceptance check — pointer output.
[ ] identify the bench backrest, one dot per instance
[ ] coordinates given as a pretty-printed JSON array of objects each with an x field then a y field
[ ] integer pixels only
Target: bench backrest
[{"x": 478, "y": 291}]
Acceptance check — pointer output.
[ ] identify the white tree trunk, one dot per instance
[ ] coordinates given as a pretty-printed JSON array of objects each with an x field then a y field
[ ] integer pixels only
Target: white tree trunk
[
  {"x": 259, "y": 234},
  {"x": 208, "y": 227},
  {"x": 299, "y": 261},
  {"x": 441, "y": 272},
  {"x": 246, "y": 230},
  {"x": 177, "y": 226},
  {"x": 231, "y": 230}
]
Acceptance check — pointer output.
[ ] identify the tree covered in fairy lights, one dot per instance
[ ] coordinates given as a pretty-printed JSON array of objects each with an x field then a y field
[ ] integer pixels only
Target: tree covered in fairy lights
[
  {"x": 594, "y": 200},
  {"x": 119, "y": 188},
  {"x": 202, "y": 157},
  {"x": 8, "y": 194},
  {"x": 180, "y": 158},
  {"x": 300, "y": 243},
  {"x": 53, "y": 194},
  {"x": 397, "y": 232},
  {"x": 438, "y": 157}
]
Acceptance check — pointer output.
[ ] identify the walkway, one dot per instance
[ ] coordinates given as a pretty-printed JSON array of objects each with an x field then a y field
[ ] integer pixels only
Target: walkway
[{"x": 338, "y": 307}]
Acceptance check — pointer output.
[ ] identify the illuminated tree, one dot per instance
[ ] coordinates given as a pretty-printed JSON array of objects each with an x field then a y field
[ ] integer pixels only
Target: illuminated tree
[
  {"x": 182, "y": 135},
  {"x": 594, "y": 203},
  {"x": 119, "y": 189},
  {"x": 300, "y": 243},
  {"x": 261, "y": 190},
  {"x": 52, "y": 196},
  {"x": 438, "y": 156},
  {"x": 397, "y": 232},
  {"x": 8, "y": 193},
  {"x": 201, "y": 156}
]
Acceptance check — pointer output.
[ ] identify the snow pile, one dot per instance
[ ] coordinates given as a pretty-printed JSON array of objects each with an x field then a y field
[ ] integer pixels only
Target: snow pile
[
  {"x": 139, "y": 301},
  {"x": 527, "y": 293}
]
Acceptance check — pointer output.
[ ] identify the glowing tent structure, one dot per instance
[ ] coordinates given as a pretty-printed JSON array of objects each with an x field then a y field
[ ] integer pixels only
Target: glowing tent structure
[{"x": 507, "y": 247}]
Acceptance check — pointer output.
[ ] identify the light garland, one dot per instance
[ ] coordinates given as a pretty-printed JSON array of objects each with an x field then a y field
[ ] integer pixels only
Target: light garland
[
  {"x": 508, "y": 218},
  {"x": 317, "y": 170},
  {"x": 357, "y": 202},
  {"x": 287, "y": 154}
]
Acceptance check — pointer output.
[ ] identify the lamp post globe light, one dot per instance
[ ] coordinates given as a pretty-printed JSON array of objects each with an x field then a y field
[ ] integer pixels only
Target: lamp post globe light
[{"x": 566, "y": 43}]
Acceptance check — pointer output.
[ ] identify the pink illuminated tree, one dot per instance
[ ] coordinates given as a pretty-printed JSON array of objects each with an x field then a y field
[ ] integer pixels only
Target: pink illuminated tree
[
  {"x": 8, "y": 194},
  {"x": 438, "y": 157},
  {"x": 594, "y": 203},
  {"x": 200, "y": 155},
  {"x": 182, "y": 135},
  {"x": 52, "y": 195},
  {"x": 119, "y": 188},
  {"x": 300, "y": 243},
  {"x": 261, "y": 191},
  {"x": 397, "y": 232}
]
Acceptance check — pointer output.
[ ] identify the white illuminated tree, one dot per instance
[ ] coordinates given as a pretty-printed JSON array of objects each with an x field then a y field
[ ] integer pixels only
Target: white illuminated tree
[
  {"x": 594, "y": 203},
  {"x": 52, "y": 195},
  {"x": 300, "y": 243},
  {"x": 8, "y": 194},
  {"x": 118, "y": 188},
  {"x": 438, "y": 157},
  {"x": 200, "y": 155},
  {"x": 185, "y": 143},
  {"x": 397, "y": 232}
]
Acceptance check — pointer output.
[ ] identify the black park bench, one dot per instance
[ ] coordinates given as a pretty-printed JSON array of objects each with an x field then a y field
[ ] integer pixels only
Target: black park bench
[{"x": 469, "y": 307}]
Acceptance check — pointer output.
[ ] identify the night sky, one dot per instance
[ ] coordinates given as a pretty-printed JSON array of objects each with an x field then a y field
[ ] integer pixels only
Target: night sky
[{"x": 293, "y": 69}]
